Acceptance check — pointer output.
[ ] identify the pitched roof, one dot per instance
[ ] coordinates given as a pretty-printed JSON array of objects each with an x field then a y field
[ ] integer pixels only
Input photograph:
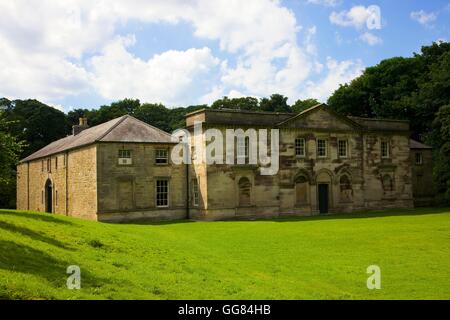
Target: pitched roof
[
  {"x": 123, "y": 129},
  {"x": 413, "y": 144},
  {"x": 323, "y": 107}
]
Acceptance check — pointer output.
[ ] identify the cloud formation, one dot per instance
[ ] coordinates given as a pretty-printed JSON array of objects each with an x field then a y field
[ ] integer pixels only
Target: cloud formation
[
  {"x": 424, "y": 18},
  {"x": 53, "y": 50}
]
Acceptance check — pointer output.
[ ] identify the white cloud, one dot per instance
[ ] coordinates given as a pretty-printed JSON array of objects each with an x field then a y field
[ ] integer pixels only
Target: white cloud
[
  {"x": 327, "y": 3},
  {"x": 165, "y": 77},
  {"x": 51, "y": 50},
  {"x": 338, "y": 73},
  {"x": 370, "y": 39},
  {"x": 356, "y": 17},
  {"x": 424, "y": 18},
  {"x": 44, "y": 76}
]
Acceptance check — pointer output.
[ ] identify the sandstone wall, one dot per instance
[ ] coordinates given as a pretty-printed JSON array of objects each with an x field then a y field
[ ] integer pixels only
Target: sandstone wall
[{"x": 128, "y": 192}]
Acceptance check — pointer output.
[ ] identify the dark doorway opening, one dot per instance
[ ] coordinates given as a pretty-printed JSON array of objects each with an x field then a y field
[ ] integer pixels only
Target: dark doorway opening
[
  {"x": 323, "y": 198},
  {"x": 48, "y": 196}
]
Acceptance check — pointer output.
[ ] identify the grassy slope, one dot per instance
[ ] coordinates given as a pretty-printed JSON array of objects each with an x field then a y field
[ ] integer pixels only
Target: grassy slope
[{"x": 305, "y": 258}]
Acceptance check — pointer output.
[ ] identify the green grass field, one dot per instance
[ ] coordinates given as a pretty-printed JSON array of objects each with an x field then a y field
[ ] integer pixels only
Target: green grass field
[{"x": 296, "y": 258}]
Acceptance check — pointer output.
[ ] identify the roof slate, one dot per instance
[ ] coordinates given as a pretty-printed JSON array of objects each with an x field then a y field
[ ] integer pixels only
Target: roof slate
[
  {"x": 122, "y": 129},
  {"x": 413, "y": 144}
]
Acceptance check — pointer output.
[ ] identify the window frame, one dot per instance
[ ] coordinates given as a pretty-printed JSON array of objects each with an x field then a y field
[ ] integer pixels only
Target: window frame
[
  {"x": 167, "y": 193},
  {"x": 195, "y": 193},
  {"x": 243, "y": 149},
  {"x": 159, "y": 157},
  {"x": 388, "y": 153},
  {"x": 123, "y": 154},
  {"x": 420, "y": 158},
  {"x": 300, "y": 147},
  {"x": 346, "y": 148},
  {"x": 325, "y": 148}
]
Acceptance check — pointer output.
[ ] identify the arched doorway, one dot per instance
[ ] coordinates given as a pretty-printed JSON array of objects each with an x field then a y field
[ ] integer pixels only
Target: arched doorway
[
  {"x": 49, "y": 196},
  {"x": 245, "y": 189}
]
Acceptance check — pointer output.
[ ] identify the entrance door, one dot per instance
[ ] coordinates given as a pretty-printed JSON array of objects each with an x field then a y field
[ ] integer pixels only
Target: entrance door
[
  {"x": 49, "y": 197},
  {"x": 323, "y": 198}
]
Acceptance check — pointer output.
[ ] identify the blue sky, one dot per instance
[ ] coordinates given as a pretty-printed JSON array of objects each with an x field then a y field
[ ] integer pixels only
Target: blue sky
[{"x": 80, "y": 53}]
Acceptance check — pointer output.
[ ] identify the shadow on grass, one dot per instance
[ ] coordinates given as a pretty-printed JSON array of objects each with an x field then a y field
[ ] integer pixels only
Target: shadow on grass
[
  {"x": 364, "y": 215},
  {"x": 159, "y": 223},
  {"x": 338, "y": 216},
  {"x": 32, "y": 234},
  {"x": 45, "y": 217},
  {"x": 24, "y": 259}
]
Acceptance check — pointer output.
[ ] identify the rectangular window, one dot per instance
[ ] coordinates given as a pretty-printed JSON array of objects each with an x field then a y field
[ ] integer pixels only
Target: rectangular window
[
  {"x": 56, "y": 163},
  {"x": 161, "y": 156},
  {"x": 56, "y": 197},
  {"x": 243, "y": 148},
  {"x": 64, "y": 161},
  {"x": 384, "y": 149},
  {"x": 162, "y": 193},
  {"x": 419, "y": 159},
  {"x": 124, "y": 153},
  {"x": 195, "y": 193},
  {"x": 49, "y": 165},
  {"x": 342, "y": 148},
  {"x": 42, "y": 163},
  {"x": 300, "y": 147},
  {"x": 321, "y": 148},
  {"x": 125, "y": 157}
]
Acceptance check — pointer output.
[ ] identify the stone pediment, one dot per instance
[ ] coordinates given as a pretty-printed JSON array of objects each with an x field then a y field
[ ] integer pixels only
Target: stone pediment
[{"x": 320, "y": 117}]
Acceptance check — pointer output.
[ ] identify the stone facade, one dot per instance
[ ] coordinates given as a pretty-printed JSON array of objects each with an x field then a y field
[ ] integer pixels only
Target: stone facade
[
  {"x": 63, "y": 183},
  {"x": 122, "y": 170},
  {"x": 360, "y": 180}
]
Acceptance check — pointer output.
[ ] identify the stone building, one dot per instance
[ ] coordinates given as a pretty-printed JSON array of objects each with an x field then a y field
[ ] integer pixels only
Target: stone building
[{"x": 122, "y": 170}]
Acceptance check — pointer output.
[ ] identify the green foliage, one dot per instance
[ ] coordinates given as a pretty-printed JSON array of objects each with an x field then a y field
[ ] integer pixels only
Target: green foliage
[
  {"x": 36, "y": 123},
  {"x": 10, "y": 149},
  {"x": 290, "y": 258},
  {"x": 244, "y": 103},
  {"x": 154, "y": 114},
  {"x": 301, "y": 105},
  {"x": 442, "y": 154},
  {"x": 276, "y": 103}
]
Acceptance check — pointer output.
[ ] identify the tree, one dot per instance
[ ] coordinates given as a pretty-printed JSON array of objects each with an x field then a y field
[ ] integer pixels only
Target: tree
[
  {"x": 35, "y": 122},
  {"x": 301, "y": 105},
  {"x": 10, "y": 150},
  {"x": 276, "y": 103},
  {"x": 155, "y": 114},
  {"x": 442, "y": 155},
  {"x": 243, "y": 103},
  {"x": 112, "y": 111}
]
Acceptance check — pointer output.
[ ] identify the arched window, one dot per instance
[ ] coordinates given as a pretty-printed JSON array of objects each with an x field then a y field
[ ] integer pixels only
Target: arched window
[
  {"x": 346, "y": 191},
  {"x": 387, "y": 183},
  {"x": 245, "y": 188},
  {"x": 301, "y": 190}
]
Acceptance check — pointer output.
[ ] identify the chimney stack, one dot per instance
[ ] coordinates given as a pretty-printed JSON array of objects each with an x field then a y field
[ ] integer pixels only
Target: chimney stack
[{"x": 82, "y": 125}]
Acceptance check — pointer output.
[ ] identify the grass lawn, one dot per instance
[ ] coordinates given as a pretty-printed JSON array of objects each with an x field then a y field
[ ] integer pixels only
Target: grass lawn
[{"x": 295, "y": 258}]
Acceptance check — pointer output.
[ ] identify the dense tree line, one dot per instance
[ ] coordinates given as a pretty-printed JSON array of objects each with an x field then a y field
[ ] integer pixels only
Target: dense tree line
[{"x": 415, "y": 88}]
